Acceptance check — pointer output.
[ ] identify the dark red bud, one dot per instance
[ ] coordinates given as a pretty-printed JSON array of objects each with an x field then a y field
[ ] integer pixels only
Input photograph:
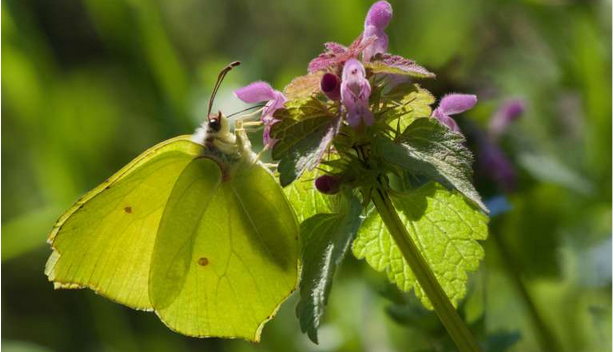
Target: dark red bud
[
  {"x": 330, "y": 85},
  {"x": 327, "y": 184}
]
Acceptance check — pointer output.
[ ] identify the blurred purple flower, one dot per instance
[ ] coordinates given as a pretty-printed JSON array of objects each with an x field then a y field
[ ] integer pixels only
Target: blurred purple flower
[
  {"x": 327, "y": 184},
  {"x": 377, "y": 19},
  {"x": 453, "y": 104},
  {"x": 508, "y": 112},
  {"x": 355, "y": 91},
  {"x": 495, "y": 163},
  {"x": 330, "y": 85},
  {"x": 258, "y": 92}
]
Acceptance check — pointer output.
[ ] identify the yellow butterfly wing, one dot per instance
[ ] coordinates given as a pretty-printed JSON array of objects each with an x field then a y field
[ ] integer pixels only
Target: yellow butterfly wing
[{"x": 105, "y": 240}]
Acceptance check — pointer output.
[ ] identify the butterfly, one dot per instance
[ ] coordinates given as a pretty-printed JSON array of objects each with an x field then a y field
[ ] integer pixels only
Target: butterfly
[{"x": 195, "y": 229}]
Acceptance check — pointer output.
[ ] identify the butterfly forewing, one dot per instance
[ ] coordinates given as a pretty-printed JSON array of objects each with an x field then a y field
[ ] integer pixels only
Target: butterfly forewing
[{"x": 105, "y": 241}]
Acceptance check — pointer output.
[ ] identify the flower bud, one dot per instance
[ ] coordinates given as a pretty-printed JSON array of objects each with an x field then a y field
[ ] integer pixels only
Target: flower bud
[
  {"x": 327, "y": 184},
  {"x": 330, "y": 85},
  {"x": 379, "y": 15}
]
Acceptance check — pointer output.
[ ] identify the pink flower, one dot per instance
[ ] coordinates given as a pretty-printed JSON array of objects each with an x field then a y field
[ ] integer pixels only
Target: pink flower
[
  {"x": 377, "y": 19},
  {"x": 508, "y": 112},
  {"x": 355, "y": 91},
  {"x": 261, "y": 91},
  {"x": 453, "y": 104},
  {"x": 496, "y": 165}
]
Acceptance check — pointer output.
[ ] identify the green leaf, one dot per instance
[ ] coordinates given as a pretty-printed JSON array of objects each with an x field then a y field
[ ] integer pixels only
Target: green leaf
[
  {"x": 443, "y": 226},
  {"x": 303, "y": 135},
  {"x": 305, "y": 199},
  {"x": 430, "y": 149},
  {"x": 325, "y": 240},
  {"x": 411, "y": 102}
]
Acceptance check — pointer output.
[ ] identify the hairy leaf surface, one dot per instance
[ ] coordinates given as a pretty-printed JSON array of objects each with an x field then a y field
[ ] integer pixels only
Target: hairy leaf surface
[
  {"x": 444, "y": 227},
  {"x": 325, "y": 240},
  {"x": 410, "y": 102},
  {"x": 303, "y": 135},
  {"x": 305, "y": 198},
  {"x": 430, "y": 149}
]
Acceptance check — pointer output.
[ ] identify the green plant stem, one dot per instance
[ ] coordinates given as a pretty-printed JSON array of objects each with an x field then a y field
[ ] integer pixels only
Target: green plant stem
[{"x": 441, "y": 303}]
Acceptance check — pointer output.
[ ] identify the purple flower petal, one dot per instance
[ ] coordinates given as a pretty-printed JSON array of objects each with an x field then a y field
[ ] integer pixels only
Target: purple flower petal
[
  {"x": 446, "y": 120},
  {"x": 355, "y": 91},
  {"x": 256, "y": 92},
  {"x": 267, "y": 128},
  {"x": 276, "y": 103},
  {"x": 453, "y": 104},
  {"x": 261, "y": 91},
  {"x": 330, "y": 85},
  {"x": 379, "y": 46},
  {"x": 379, "y": 15},
  {"x": 494, "y": 163},
  {"x": 508, "y": 112}
]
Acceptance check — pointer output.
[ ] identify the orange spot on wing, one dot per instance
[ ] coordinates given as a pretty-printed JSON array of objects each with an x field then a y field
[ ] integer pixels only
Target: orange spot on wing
[
  {"x": 128, "y": 210},
  {"x": 203, "y": 261}
]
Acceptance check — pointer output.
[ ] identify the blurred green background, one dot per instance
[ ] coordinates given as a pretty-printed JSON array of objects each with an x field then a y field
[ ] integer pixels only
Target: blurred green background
[{"x": 87, "y": 85}]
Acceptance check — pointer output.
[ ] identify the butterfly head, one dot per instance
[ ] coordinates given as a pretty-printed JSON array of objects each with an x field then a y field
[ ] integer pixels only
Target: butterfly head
[{"x": 217, "y": 124}]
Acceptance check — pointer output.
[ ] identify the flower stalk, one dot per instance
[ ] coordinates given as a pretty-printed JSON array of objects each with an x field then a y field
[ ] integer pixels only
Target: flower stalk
[{"x": 445, "y": 311}]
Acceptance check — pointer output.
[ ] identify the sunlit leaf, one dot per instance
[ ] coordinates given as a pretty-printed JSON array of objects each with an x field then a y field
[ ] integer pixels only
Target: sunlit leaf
[
  {"x": 430, "y": 149},
  {"x": 411, "y": 102},
  {"x": 305, "y": 198},
  {"x": 444, "y": 227}
]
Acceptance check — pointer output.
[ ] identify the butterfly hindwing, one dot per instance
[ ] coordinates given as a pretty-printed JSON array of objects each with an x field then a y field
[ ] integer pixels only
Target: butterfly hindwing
[
  {"x": 105, "y": 241},
  {"x": 225, "y": 256}
]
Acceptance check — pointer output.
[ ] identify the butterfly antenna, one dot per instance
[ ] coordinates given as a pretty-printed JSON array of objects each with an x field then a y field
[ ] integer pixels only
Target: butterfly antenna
[
  {"x": 250, "y": 108},
  {"x": 221, "y": 76}
]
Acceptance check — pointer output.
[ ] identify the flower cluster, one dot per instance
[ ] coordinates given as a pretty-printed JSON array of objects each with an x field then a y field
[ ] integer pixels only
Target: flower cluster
[{"x": 348, "y": 81}]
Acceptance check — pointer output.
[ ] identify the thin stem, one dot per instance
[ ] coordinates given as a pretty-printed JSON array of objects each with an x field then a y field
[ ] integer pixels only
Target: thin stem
[{"x": 442, "y": 305}]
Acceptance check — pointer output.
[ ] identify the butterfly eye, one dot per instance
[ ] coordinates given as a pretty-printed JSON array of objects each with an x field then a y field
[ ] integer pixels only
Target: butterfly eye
[{"x": 214, "y": 124}]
